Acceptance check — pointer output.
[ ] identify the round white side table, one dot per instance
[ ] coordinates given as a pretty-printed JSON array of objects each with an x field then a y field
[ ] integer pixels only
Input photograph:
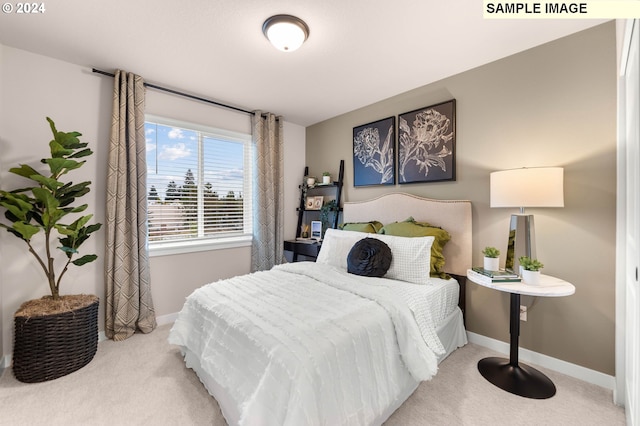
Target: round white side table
[{"x": 509, "y": 374}]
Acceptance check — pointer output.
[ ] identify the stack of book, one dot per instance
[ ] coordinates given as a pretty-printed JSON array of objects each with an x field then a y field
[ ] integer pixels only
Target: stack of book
[{"x": 483, "y": 275}]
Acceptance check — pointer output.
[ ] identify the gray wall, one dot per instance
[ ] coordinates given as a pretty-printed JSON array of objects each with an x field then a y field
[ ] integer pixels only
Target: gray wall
[{"x": 554, "y": 105}]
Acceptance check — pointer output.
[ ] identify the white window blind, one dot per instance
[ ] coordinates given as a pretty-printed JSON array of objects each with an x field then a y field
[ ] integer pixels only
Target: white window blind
[{"x": 198, "y": 183}]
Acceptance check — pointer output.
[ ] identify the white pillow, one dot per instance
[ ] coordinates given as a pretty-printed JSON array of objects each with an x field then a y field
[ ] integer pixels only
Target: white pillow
[{"x": 411, "y": 256}]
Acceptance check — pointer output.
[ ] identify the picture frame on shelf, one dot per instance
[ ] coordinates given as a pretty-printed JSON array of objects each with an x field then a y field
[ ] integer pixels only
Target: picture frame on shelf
[
  {"x": 316, "y": 230},
  {"x": 374, "y": 156},
  {"x": 314, "y": 203},
  {"x": 317, "y": 202},
  {"x": 427, "y": 144}
]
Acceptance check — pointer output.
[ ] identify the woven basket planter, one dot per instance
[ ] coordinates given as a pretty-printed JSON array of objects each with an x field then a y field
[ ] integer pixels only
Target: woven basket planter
[{"x": 50, "y": 346}]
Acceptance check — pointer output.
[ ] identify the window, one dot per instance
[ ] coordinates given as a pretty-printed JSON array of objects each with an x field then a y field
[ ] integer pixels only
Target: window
[{"x": 198, "y": 186}]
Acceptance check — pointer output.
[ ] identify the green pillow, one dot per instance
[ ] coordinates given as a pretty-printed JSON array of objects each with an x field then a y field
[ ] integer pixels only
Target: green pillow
[
  {"x": 370, "y": 227},
  {"x": 411, "y": 228}
]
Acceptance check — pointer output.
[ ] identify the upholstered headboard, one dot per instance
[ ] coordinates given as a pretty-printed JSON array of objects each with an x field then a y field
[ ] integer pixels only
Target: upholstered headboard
[{"x": 452, "y": 215}]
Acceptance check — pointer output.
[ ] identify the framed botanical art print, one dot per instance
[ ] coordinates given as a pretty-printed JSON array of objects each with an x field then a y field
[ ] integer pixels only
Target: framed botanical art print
[
  {"x": 427, "y": 144},
  {"x": 374, "y": 153}
]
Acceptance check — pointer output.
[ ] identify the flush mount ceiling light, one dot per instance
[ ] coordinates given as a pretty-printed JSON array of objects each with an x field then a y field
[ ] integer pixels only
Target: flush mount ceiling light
[{"x": 285, "y": 32}]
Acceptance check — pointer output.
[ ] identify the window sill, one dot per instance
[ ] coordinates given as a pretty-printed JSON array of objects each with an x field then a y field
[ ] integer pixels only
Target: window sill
[{"x": 183, "y": 247}]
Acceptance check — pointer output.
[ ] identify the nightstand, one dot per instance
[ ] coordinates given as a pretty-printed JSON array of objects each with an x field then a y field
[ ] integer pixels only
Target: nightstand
[
  {"x": 508, "y": 374},
  {"x": 309, "y": 249}
]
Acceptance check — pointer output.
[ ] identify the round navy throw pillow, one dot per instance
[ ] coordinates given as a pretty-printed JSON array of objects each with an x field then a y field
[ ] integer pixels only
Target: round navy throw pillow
[{"x": 369, "y": 257}]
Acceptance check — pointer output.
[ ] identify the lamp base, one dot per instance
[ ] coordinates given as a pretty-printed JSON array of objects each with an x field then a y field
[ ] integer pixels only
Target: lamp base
[{"x": 521, "y": 241}]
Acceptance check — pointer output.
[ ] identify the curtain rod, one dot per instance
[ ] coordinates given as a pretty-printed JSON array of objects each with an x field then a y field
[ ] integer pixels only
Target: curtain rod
[{"x": 186, "y": 95}]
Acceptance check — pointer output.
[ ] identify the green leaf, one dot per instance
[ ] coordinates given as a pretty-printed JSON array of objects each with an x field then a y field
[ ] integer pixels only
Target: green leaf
[
  {"x": 82, "y": 153},
  {"x": 18, "y": 214},
  {"x": 58, "y": 151},
  {"x": 50, "y": 214},
  {"x": 24, "y": 171},
  {"x": 67, "y": 243},
  {"x": 79, "y": 208},
  {"x": 20, "y": 200},
  {"x": 52, "y": 125},
  {"x": 83, "y": 235},
  {"x": 17, "y": 206},
  {"x": 68, "y": 193},
  {"x": 81, "y": 232},
  {"x": 64, "y": 230},
  {"x": 26, "y": 230},
  {"x": 60, "y": 166},
  {"x": 80, "y": 222},
  {"x": 70, "y": 140},
  {"x": 12, "y": 218},
  {"x": 50, "y": 183},
  {"x": 85, "y": 259},
  {"x": 46, "y": 197},
  {"x": 67, "y": 140},
  {"x": 55, "y": 216},
  {"x": 93, "y": 228}
]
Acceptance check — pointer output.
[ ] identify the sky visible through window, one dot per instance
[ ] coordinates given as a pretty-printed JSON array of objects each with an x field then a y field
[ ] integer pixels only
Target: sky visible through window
[{"x": 171, "y": 151}]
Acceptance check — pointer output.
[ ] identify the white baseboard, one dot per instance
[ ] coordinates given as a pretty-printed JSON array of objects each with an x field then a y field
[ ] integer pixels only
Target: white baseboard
[
  {"x": 6, "y": 362},
  {"x": 161, "y": 320},
  {"x": 555, "y": 364},
  {"x": 167, "y": 319}
]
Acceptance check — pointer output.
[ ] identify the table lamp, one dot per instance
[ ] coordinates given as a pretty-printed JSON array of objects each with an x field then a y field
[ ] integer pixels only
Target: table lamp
[{"x": 525, "y": 187}]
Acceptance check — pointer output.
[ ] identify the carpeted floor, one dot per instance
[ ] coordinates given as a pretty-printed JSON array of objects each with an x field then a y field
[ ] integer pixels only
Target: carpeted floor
[{"x": 143, "y": 381}]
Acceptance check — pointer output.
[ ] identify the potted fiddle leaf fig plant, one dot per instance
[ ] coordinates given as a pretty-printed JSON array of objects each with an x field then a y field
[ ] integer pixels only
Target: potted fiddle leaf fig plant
[{"x": 57, "y": 334}]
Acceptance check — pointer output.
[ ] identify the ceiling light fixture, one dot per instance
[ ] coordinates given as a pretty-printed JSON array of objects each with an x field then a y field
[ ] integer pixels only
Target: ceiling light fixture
[{"x": 285, "y": 32}]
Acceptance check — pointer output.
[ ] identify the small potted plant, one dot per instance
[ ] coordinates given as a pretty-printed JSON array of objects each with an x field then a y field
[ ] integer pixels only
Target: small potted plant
[
  {"x": 530, "y": 270},
  {"x": 491, "y": 258},
  {"x": 326, "y": 178},
  {"x": 326, "y": 212}
]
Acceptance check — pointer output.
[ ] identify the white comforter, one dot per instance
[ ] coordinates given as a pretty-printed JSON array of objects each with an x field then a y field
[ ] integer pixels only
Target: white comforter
[{"x": 308, "y": 344}]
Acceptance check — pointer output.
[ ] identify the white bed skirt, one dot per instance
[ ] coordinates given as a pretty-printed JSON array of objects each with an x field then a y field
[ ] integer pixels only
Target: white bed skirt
[{"x": 451, "y": 332}]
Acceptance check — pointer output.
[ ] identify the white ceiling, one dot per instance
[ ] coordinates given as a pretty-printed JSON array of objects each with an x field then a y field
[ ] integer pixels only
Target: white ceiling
[{"x": 358, "y": 52}]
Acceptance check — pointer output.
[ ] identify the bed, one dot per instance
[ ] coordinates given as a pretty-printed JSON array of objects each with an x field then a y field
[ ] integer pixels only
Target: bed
[{"x": 311, "y": 344}]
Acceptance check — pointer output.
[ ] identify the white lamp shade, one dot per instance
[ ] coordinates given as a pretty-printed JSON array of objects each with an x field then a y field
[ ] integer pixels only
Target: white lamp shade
[
  {"x": 528, "y": 187},
  {"x": 285, "y": 32}
]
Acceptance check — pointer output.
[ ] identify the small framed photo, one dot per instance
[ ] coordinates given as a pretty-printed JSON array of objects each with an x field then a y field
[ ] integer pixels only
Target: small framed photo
[
  {"x": 314, "y": 203},
  {"x": 316, "y": 229},
  {"x": 317, "y": 202}
]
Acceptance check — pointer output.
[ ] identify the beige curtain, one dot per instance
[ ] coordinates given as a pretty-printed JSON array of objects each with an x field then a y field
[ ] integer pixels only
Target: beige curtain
[
  {"x": 129, "y": 306},
  {"x": 268, "y": 211}
]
